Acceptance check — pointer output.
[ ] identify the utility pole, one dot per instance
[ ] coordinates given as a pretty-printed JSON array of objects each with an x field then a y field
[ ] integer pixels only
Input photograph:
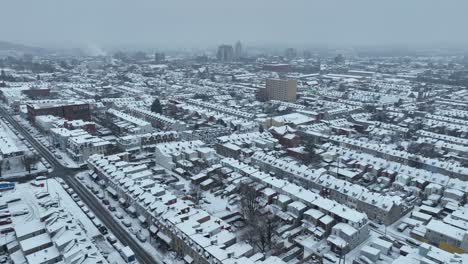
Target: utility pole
[
  {"x": 342, "y": 257},
  {"x": 58, "y": 198}
]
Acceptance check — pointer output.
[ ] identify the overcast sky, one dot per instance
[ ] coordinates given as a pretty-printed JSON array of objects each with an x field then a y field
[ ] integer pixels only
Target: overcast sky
[{"x": 185, "y": 23}]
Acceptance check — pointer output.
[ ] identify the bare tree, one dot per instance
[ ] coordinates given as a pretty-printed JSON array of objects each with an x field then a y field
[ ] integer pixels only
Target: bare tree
[
  {"x": 29, "y": 159},
  {"x": 195, "y": 193},
  {"x": 311, "y": 156},
  {"x": 259, "y": 228},
  {"x": 248, "y": 202}
]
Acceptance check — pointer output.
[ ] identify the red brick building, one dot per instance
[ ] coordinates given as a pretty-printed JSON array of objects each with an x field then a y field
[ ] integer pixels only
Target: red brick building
[{"x": 67, "y": 110}]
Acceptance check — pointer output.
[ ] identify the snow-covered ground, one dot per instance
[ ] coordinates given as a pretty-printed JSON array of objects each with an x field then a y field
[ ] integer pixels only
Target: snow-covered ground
[
  {"x": 150, "y": 245},
  {"x": 16, "y": 168},
  {"x": 43, "y": 139},
  {"x": 29, "y": 203}
]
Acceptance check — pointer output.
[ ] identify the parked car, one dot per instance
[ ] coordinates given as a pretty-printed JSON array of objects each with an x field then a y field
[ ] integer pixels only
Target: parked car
[
  {"x": 141, "y": 237},
  {"x": 61, "y": 181},
  {"x": 75, "y": 197},
  {"x": 133, "y": 230},
  {"x": 91, "y": 215},
  {"x": 85, "y": 209},
  {"x": 126, "y": 223},
  {"x": 105, "y": 201},
  {"x": 111, "y": 208},
  {"x": 111, "y": 239},
  {"x": 119, "y": 215},
  {"x": 103, "y": 230}
]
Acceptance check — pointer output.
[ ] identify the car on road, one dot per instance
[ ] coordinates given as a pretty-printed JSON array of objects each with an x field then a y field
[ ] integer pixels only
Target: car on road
[{"x": 126, "y": 223}]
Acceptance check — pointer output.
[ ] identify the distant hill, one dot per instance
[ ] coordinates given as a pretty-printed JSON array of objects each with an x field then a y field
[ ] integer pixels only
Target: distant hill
[{"x": 10, "y": 46}]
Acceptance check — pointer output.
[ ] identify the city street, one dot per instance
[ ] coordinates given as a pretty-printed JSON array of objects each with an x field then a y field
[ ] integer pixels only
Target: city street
[{"x": 67, "y": 175}]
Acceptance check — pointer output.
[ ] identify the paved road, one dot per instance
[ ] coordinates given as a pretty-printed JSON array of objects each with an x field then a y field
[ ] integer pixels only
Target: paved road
[{"x": 68, "y": 175}]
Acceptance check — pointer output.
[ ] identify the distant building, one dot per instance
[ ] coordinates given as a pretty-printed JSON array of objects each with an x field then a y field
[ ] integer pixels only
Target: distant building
[
  {"x": 238, "y": 50},
  {"x": 225, "y": 53},
  {"x": 281, "y": 90},
  {"x": 367, "y": 74},
  {"x": 276, "y": 67},
  {"x": 290, "y": 53},
  {"x": 159, "y": 57}
]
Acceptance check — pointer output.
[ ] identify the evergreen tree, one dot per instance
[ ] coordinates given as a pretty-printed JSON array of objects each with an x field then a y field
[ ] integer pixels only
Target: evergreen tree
[
  {"x": 156, "y": 107},
  {"x": 261, "y": 129}
]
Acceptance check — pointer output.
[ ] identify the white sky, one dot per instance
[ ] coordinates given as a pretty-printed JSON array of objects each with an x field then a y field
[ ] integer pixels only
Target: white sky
[{"x": 188, "y": 23}]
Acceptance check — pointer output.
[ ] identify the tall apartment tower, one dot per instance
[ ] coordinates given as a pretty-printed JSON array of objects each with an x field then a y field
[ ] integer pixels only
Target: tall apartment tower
[
  {"x": 225, "y": 53},
  {"x": 238, "y": 50},
  {"x": 159, "y": 57},
  {"x": 281, "y": 90}
]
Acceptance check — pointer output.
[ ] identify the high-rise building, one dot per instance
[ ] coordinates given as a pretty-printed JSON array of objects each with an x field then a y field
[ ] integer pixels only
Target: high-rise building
[
  {"x": 238, "y": 50},
  {"x": 281, "y": 90},
  {"x": 225, "y": 53},
  {"x": 159, "y": 57},
  {"x": 290, "y": 53}
]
